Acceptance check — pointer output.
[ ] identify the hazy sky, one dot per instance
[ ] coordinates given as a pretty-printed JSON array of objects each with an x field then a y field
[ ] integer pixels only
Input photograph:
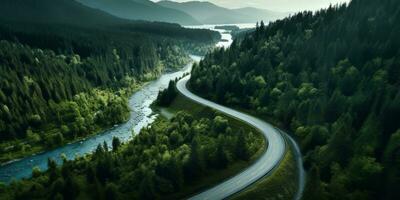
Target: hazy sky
[{"x": 277, "y": 5}]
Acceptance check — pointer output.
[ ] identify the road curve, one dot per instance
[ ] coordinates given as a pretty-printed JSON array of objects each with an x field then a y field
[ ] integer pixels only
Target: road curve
[{"x": 265, "y": 164}]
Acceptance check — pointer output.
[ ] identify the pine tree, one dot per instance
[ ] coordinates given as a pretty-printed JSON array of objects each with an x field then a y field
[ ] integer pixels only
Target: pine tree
[
  {"x": 116, "y": 143},
  {"x": 242, "y": 150},
  {"x": 196, "y": 164},
  {"x": 222, "y": 158}
]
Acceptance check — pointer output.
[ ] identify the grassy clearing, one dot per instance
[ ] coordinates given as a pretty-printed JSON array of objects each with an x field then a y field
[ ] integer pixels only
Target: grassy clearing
[
  {"x": 282, "y": 184},
  {"x": 213, "y": 177},
  {"x": 181, "y": 103}
]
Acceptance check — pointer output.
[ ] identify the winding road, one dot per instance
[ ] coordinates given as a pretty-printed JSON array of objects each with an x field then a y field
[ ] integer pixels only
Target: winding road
[{"x": 263, "y": 166}]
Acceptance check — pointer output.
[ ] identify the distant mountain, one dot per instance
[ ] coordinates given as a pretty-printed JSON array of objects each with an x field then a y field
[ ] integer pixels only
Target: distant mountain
[
  {"x": 141, "y": 10},
  {"x": 208, "y": 13},
  {"x": 70, "y": 12},
  {"x": 68, "y": 20},
  {"x": 199, "y": 10},
  {"x": 58, "y": 12},
  {"x": 263, "y": 14}
]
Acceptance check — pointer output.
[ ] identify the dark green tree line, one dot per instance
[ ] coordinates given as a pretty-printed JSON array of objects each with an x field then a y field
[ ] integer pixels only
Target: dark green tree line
[
  {"x": 331, "y": 78},
  {"x": 156, "y": 163},
  {"x": 64, "y": 68}
]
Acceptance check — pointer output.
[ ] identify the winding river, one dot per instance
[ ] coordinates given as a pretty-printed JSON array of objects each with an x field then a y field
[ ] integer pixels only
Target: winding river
[{"x": 141, "y": 116}]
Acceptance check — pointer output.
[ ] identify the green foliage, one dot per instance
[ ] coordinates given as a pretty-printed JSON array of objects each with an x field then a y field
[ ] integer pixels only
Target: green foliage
[
  {"x": 55, "y": 55},
  {"x": 116, "y": 143},
  {"x": 241, "y": 148},
  {"x": 326, "y": 77},
  {"x": 166, "y": 96},
  {"x": 111, "y": 192},
  {"x": 36, "y": 172},
  {"x": 36, "y": 105},
  {"x": 84, "y": 114},
  {"x": 157, "y": 162},
  {"x": 281, "y": 184}
]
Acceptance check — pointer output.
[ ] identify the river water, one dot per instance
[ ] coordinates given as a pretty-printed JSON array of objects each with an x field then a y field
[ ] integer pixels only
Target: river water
[
  {"x": 141, "y": 116},
  {"x": 226, "y": 37}
]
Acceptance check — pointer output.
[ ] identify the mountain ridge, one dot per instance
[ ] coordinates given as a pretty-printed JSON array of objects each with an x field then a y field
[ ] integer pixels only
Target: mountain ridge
[
  {"x": 29, "y": 20},
  {"x": 46, "y": 11},
  {"x": 141, "y": 10},
  {"x": 209, "y": 13}
]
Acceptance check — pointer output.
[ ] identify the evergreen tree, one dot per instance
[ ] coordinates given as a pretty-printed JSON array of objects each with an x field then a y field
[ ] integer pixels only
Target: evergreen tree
[
  {"x": 195, "y": 165},
  {"x": 116, "y": 143},
  {"x": 241, "y": 147}
]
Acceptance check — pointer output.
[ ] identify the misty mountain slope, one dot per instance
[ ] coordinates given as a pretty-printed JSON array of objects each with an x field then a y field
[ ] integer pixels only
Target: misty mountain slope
[
  {"x": 44, "y": 15},
  {"x": 65, "y": 48},
  {"x": 260, "y": 13},
  {"x": 50, "y": 11},
  {"x": 197, "y": 9},
  {"x": 62, "y": 25},
  {"x": 209, "y": 13},
  {"x": 141, "y": 10}
]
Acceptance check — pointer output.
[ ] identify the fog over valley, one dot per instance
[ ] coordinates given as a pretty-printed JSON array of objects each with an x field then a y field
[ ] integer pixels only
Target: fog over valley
[{"x": 275, "y": 5}]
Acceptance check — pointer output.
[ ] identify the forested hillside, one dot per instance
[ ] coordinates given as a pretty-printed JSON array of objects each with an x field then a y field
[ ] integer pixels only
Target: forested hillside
[
  {"x": 331, "y": 78},
  {"x": 56, "y": 55},
  {"x": 68, "y": 26},
  {"x": 157, "y": 163}
]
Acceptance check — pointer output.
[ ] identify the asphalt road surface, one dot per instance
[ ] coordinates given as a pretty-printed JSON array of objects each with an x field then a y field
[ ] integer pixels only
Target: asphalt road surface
[{"x": 265, "y": 164}]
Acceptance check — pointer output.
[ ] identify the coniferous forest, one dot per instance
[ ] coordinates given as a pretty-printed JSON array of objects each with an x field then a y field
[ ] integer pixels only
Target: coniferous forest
[
  {"x": 156, "y": 164},
  {"x": 66, "y": 70},
  {"x": 330, "y": 78}
]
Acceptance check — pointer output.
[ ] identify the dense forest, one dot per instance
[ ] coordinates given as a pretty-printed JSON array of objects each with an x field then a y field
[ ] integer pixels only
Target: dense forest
[
  {"x": 158, "y": 162},
  {"x": 167, "y": 96},
  {"x": 66, "y": 70},
  {"x": 331, "y": 78}
]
